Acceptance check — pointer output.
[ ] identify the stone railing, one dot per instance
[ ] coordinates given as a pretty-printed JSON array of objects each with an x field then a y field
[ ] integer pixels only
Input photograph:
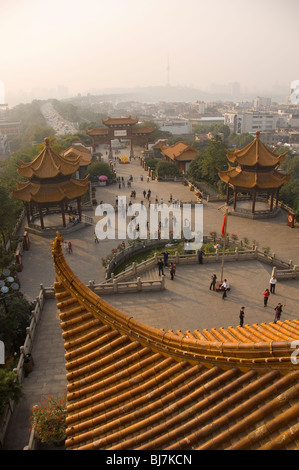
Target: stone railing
[
  {"x": 283, "y": 269},
  {"x": 130, "y": 251},
  {"x": 25, "y": 362},
  {"x": 117, "y": 287}
]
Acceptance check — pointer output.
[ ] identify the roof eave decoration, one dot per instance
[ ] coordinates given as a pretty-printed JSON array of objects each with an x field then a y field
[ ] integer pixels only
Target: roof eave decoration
[
  {"x": 51, "y": 193},
  {"x": 48, "y": 164},
  {"x": 255, "y": 153}
]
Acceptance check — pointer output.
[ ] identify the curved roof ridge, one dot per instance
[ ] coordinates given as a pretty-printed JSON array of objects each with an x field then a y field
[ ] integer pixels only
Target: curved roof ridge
[
  {"x": 48, "y": 164},
  {"x": 256, "y": 152},
  {"x": 257, "y": 354}
]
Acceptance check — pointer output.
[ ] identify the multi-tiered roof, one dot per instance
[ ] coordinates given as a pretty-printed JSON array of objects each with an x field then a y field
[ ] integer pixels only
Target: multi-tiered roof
[
  {"x": 50, "y": 181},
  {"x": 255, "y": 166},
  {"x": 50, "y": 178}
]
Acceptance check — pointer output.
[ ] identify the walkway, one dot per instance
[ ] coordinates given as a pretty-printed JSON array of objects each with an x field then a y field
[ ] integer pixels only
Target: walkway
[{"x": 186, "y": 304}]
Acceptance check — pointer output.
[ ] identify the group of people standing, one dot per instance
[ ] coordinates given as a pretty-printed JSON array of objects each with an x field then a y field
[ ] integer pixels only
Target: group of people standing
[
  {"x": 267, "y": 293},
  {"x": 224, "y": 287},
  {"x": 68, "y": 247},
  {"x": 164, "y": 263}
]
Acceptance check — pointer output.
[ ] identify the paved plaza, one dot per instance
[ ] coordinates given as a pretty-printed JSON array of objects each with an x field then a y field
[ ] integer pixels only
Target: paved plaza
[{"x": 185, "y": 304}]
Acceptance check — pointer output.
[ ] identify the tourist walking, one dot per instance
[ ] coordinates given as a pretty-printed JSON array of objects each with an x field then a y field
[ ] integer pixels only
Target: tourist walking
[
  {"x": 200, "y": 254},
  {"x": 225, "y": 287},
  {"x": 70, "y": 247},
  {"x": 172, "y": 271},
  {"x": 165, "y": 255},
  {"x": 278, "y": 312},
  {"x": 161, "y": 267},
  {"x": 96, "y": 240},
  {"x": 273, "y": 282},
  {"x": 266, "y": 297},
  {"x": 213, "y": 282},
  {"x": 241, "y": 316}
]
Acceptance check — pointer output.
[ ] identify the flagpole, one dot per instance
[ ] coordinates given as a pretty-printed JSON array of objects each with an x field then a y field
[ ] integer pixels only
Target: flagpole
[{"x": 223, "y": 251}]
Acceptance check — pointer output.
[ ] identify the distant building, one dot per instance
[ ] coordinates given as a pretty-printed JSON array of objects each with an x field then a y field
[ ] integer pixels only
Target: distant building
[
  {"x": 156, "y": 147},
  {"x": 10, "y": 128},
  {"x": 181, "y": 154},
  {"x": 260, "y": 102},
  {"x": 294, "y": 121},
  {"x": 4, "y": 145},
  {"x": 176, "y": 126},
  {"x": 78, "y": 149},
  {"x": 251, "y": 122}
]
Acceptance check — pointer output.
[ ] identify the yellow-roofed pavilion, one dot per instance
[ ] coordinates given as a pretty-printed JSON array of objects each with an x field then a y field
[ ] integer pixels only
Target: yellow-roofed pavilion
[
  {"x": 253, "y": 170},
  {"x": 50, "y": 182}
]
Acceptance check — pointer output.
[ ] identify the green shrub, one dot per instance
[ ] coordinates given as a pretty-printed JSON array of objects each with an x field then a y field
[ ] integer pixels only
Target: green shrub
[{"x": 10, "y": 388}]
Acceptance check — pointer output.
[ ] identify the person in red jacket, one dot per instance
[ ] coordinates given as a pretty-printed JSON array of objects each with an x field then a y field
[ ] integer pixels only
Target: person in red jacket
[{"x": 266, "y": 297}]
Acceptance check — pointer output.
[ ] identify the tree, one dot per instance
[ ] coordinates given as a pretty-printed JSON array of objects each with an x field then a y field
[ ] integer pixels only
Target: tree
[
  {"x": 14, "y": 319},
  {"x": 206, "y": 165},
  {"x": 8, "y": 211},
  {"x": 10, "y": 388},
  {"x": 167, "y": 169},
  {"x": 96, "y": 169},
  {"x": 241, "y": 140}
]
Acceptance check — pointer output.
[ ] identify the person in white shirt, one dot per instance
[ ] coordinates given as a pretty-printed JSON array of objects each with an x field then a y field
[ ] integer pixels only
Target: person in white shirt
[
  {"x": 273, "y": 282},
  {"x": 225, "y": 287}
]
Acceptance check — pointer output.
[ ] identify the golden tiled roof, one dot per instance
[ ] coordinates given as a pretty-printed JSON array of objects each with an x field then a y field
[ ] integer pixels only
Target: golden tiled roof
[
  {"x": 142, "y": 130},
  {"x": 97, "y": 131},
  {"x": 78, "y": 150},
  {"x": 179, "y": 152},
  {"x": 131, "y": 386},
  {"x": 119, "y": 121},
  {"x": 256, "y": 153},
  {"x": 48, "y": 164},
  {"x": 51, "y": 192},
  {"x": 240, "y": 178}
]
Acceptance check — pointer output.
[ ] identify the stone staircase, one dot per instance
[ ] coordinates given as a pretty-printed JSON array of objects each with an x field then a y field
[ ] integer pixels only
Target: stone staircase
[{"x": 149, "y": 275}]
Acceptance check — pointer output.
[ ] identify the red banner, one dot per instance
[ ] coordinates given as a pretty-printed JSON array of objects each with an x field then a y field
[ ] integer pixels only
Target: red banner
[{"x": 223, "y": 226}]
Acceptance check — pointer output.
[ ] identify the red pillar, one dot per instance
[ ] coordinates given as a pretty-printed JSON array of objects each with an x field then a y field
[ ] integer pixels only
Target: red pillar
[
  {"x": 63, "y": 214},
  {"x": 253, "y": 202},
  {"x": 277, "y": 197},
  {"x": 271, "y": 201},
  {"x": 235, "y": 198},
  {"x": 79, "y": 207},
  {"x": 41, "y": 217},
  {"x": 227, "y": 194}
]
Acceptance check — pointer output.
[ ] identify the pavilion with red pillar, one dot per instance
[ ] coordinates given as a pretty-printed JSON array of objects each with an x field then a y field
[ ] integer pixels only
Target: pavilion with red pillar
[
  {"x": 50, "y": 184},
  {"x": 254, "y": 170}
]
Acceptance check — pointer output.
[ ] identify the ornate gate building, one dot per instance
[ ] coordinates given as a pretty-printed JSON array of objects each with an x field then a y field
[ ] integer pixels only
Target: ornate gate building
[{"x": 120, "y": 128}]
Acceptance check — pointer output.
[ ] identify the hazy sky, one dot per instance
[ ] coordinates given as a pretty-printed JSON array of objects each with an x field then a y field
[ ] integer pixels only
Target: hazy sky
[{"x": 96, "y": 44}]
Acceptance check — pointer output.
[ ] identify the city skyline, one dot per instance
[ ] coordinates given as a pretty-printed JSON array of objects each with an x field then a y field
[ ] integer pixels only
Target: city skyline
[{"x": 63, "y": 49}]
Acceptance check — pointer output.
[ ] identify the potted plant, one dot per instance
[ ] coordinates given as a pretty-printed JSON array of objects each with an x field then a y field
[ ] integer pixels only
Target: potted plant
[{"x": 49, "y": 420}]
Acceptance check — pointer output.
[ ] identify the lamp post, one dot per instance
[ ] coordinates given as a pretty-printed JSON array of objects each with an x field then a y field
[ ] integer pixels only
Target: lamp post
[{"x": 8, "y": 286}]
